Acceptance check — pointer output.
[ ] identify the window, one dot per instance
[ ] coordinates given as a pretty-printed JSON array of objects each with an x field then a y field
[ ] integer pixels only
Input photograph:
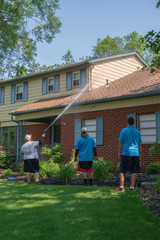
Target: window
[
  {"x": 147, "y": 127},
  {"x": 19, "y": 92},
  {"x": 50, "y": 84},
  {"x": 90, "y": 124},
  {"x": 76, "y": 79}
]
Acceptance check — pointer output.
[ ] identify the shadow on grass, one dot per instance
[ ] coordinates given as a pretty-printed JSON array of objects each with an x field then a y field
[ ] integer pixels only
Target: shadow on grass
[{"x": 73, "y": 212}]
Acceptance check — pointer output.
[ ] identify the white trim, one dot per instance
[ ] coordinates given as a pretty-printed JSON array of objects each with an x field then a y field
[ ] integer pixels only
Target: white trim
[
  {"x": 75, "y": 79},
  {"x": 18, "y": 85}
]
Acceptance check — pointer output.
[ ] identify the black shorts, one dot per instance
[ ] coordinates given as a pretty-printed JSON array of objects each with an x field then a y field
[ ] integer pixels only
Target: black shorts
[
  {"x": 85, "y": 166},
  {"x": 130, "y": 164},
  {"x": 31, "y": 165}
]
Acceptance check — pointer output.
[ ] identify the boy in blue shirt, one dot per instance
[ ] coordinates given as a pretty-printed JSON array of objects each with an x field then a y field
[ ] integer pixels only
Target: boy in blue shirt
[
  {"x": 128, "y": 149},
  {"x": 85, "y": 146}
]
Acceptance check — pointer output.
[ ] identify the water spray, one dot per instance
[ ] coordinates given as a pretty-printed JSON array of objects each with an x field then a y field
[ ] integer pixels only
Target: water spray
[{"x": 68, "y": 106}]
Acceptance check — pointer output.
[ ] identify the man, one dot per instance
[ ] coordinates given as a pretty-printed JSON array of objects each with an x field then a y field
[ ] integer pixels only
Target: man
[
  {"x": 85, "y": 147},
  {"x": 128, "y": 149},
  {"x": 31, "y": 162}
]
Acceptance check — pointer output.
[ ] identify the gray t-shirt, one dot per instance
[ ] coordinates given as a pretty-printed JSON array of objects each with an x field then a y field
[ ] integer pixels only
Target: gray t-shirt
[{"x": 30, "y": 150}]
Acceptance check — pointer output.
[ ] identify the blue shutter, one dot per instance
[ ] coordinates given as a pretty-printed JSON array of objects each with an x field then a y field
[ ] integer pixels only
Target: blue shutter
[
  {"x": 13, "y": 93},
  {"x": 69, "y": 80},
  {"x": 25, "y": 91},
  {"x": 157, "y": 126},
  {"x": 82, "y": 77},
  {"x": 44, "y": 85},
  {"x": 134, "y": 117},
  {"x": 56, "y": 83},
  {"x": 2, "y": 96},
  {"x": 99, "y": 131},
  {"x": 77, "y": 129}
]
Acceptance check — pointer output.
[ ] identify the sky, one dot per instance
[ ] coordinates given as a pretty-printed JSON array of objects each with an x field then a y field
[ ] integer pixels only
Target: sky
[{"x": 84, "y": 21}]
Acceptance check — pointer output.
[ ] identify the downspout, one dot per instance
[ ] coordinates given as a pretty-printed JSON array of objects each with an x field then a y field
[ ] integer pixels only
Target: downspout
[{"x": 17, "y": 151}]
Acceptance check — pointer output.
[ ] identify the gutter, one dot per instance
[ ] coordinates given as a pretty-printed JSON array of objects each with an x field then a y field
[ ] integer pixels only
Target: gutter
[{"x": 123, "y": 97}]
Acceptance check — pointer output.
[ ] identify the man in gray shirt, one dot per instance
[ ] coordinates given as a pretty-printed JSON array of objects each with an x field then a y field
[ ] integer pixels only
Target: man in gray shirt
[{"x": 31, "y": 162}]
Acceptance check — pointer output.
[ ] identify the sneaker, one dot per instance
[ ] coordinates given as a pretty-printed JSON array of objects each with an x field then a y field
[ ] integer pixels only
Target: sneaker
[
  {"x": 131, "y": 189},
  {"x": 119, "y": 189}
]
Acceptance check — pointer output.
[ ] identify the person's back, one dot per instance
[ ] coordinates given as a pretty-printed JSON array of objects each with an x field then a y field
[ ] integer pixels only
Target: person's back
[
  {"x": 130, "y": 138},
  {"x": 85, "y": 147},
  {"x": 30, "y": 150}
]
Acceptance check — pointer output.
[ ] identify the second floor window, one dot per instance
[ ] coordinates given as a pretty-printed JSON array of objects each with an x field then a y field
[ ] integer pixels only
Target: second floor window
[
  {"x": 50, "y": 84},
  {"x": 76, "y": 79},
  {"x": 19, "y": 92}
]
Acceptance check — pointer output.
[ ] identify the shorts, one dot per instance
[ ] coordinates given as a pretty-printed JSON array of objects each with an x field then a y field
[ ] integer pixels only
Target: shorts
[
  {"x": 130, "y": 164},
  {"x": 31, "y": 165},
  {"x": 85, "y": 166}
]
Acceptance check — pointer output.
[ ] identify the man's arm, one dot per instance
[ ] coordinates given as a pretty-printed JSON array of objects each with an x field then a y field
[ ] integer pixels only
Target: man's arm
[
  {"x": 76, "y": 154},
  {"x": 119, "y": 149},
  {"x": 41, "y": 139}
]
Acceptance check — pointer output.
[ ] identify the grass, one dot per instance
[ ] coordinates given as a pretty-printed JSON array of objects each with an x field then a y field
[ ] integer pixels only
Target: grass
[{"x": 41, "y": 212}]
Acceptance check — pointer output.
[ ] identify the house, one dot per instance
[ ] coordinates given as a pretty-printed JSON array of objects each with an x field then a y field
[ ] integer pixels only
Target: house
[{"x": 116, "y": 88}]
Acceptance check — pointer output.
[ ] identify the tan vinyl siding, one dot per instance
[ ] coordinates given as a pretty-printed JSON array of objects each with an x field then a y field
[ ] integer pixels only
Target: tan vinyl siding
[{"x": 114, "y": 69}]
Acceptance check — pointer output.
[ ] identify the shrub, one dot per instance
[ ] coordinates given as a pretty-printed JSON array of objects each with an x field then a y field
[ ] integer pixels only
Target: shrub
[
  {"x": 153, "y": 168},
  {"x": 117, "y": 168},
  {"x": 67, "y": 172},
  {"x": 6, "y": 159},
  {"x": 7, "y": 172},
  {"x": 158, "y": 184},
  {"x": 47, "y": 169},
  {"x": 155, "y": 148},
  {"x": 55, "y": 155},
  {"x": 100, "y": 172}
]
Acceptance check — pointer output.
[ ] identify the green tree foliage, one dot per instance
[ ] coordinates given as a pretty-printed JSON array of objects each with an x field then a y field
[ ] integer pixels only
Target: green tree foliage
[
  {"x": 68, "y": 58},
  {"x": 117, "y": 45},
  {"x": 152, "y": 43},
  {"x": 23, "y": 23}
]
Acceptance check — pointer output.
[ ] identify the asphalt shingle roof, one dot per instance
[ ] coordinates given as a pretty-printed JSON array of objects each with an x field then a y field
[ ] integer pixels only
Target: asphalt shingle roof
[{"x": 137, "y": 83}]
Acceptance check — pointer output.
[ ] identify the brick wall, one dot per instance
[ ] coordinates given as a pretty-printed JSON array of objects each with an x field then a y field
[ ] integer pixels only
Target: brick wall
[{"x": 114, "y": 121}]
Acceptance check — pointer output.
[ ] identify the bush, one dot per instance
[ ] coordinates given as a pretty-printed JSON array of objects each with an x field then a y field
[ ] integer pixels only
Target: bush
[
  {"x": 155, "y": 148},
  {"x": 7, "y": 172},
  {"x": 100, "y": 172},
  {"x": 158, "y": 184},
  {"x": 6, "y": 159},
  {"x": 55, "y": 155},
  {"x": 153, "y": 168},
  {"x": 47, "y": 169},
  {"x": 67, "y": 173},
  {"x": 117, "y": 168}
]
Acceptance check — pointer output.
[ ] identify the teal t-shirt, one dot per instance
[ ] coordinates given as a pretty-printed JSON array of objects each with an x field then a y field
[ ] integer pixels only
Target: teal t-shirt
[
  {"x": 130, "y": 138},
  {"x": 85, "y": 147}
]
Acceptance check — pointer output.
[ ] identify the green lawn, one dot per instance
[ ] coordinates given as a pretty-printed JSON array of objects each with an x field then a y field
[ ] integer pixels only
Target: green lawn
[{"x": 40, "y": 212}]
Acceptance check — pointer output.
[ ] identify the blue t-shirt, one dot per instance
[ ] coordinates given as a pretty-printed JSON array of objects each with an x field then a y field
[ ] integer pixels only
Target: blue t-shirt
[
  {"x": 85, "y": 147},
  {"x": 130, "y": 138}
]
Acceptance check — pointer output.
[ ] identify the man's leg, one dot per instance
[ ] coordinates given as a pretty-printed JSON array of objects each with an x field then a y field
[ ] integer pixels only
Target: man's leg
[
  {"x": 91, "y": 178},
  {"x": 133, "y": 179},
  {"x": 36, "y": 176},
  {"x": 84, "y": 177},
  {"x": 121, "y": 180},
  {"x": 28, "y": 176}
]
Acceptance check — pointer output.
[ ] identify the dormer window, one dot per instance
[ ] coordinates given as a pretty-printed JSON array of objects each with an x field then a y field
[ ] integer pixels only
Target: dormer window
[
  {"x": 76, "y": 79},
  {"x": 50, "y": 84},
  {"x": 19, "y": 92}
]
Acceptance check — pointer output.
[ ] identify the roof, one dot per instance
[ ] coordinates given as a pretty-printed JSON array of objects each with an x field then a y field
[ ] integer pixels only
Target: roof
[
  {"x": 74, "y": 65},
  {"x": 137, "y": 84}
]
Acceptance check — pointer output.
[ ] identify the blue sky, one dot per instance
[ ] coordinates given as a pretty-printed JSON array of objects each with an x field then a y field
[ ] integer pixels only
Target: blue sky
[{"x": 84, "y": 21}]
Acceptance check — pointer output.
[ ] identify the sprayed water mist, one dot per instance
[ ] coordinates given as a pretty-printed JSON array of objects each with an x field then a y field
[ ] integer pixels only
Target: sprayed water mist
[{"x": 67, "y": 107}]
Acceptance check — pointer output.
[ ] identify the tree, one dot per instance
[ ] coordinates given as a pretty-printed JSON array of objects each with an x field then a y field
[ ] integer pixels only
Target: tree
[
  {"x": 152, "y": 44},
  {"x": 108, "y": 46},
  {"x": 23, "y": 23},
  {"x": 68, "y": 58},
  {"x": 117, "y": 45}
]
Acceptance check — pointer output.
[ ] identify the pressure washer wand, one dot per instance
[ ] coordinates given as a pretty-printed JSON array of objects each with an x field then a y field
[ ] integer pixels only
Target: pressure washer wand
[{"x": 64, "y": 110}]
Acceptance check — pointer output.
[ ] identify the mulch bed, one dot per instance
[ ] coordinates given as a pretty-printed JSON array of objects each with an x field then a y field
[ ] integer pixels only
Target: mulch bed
[{"x": 148, "y": 191}]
